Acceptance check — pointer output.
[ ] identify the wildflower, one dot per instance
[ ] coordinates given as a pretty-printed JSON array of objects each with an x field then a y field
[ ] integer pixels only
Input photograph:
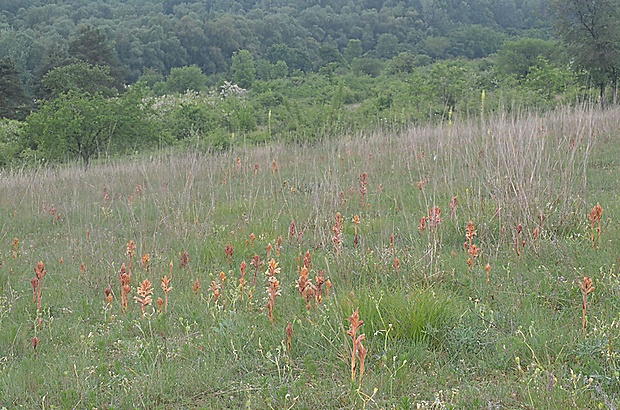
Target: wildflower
[{"x": 145, "y": 292}]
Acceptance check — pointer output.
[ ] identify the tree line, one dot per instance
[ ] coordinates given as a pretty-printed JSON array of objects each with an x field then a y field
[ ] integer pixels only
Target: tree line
[{"x": 90, "y": 79}]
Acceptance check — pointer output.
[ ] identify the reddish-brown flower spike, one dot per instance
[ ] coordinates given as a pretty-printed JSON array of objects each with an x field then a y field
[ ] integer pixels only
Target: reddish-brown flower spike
[
  {"x": 355, "y": 324},
  {"x": 361, "y": 353},
  {"x": 453, "y": 204},
  {"x": 229, "y": 252},
  {"x": 35, "y": 285},
  {"x": 40, "y": 271},
  {"x": 307, "y": 260},
  {"x": 252, "y": 239},
  {"x": 15, "y": 248},
  {"x": 184, "y": 259},
  {"x": 196, "y": 287},
  {"x": 422, "y": 224},
  {"x": 470, "y": 232},
  {"x": 35, "y": 344},
  {"x": 289, "y": 336}
]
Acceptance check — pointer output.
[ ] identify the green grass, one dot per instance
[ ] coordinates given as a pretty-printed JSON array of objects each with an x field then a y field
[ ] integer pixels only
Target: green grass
[{"x": 439, "y": 334}]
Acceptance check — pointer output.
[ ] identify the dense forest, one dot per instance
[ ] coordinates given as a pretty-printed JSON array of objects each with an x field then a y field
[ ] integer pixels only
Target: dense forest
[
  {"x": 156, "y": 36},
  {"x": 209, "y": 70}
]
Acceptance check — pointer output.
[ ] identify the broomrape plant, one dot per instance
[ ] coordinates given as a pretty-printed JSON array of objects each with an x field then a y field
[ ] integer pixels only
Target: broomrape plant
[
  {"x": 145, "y": 294},
  {"x": 337, "y": 230},
  {"x": 165, "y": 285},
  {"x": 273, "y": 287},
  {"x": 131, "y": 250},
  {"x": 595, "y": 217},
  {"x": 358, "y": 349},
  {"x": 586, "y": 287},
  {"x": 125, "y": 286},
  {"x": 15, "y": 248}
]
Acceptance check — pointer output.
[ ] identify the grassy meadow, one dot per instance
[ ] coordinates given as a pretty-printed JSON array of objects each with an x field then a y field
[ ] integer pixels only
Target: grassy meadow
[{"x": 489, "y": 316}]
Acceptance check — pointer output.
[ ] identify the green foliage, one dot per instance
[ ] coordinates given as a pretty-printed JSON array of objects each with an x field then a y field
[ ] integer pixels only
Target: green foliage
[
  {"x": 474, "y": 41},
  {"x": 243, "y": 68},
  {"x": 14, "y": 103},
  {"x": 82, "y": 126},
  {"x": 182, "y": 79},
  {"x": 516, "y": 57},
  {"x": 367, "y": 66},
  {"x": 589, "y": 29},
  {"x": 89, "y": 44},
  {"x": 406, "y": 315},
  {"x": 80, "y": 77},
  {"x": 11, "y": 136},
  {"x": 353, "y": 50}
]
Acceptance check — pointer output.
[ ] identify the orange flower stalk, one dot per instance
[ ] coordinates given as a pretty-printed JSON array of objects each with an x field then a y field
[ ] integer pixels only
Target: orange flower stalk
[
  {"x": 586, "y": 288},
  {"x": 108, "y": 296},
  {"x": 35, "y": 289},
  {"x": 131, "y": 250},
  {"x": 252, "y": 239},
  {"x": 434, "y": 218},
  {"x": 309, "y": 293},
  {"x": 160, "y": 304},
  {"x": 40, "y": 273},
  {"x": 272, "y": 291},
  {"x": 303, "y": 280},
  {"x": 337, "y": 229},
  {"x": 274, "y": 166},
  {"x": 15, "y": 248},
  {"x": 35, "y": 344},
  {"x": 361, "y": 353},
  {"x": 289, "y": 336},
  {"x": 470, "y": 232},
  {"x": 165, "y": 285},
  {"x": 487, "y": 268},
  {"x": 355, "y": 325},
  {"x": 363, "y": 188},
  {"x": 196, "y": 287},
  {"x": 125, "y": 286},
  {"x": 146, "y": 259},
  {"x": 184, "y": 259},
  {"x": 292, "y": 231},
  {"x": 595, "y": 217},
  {"x": 307, "y": 260},
  {"x": 215, "y": 288},
  {"x": 396, "y": 265},
  {"x": 422, "y": 224},
  {"x": 269, "y": 249},
  {"x": 145, "y": 292},
  {"x": 356, "y": 221},
  {"x": 392, "y": 244},
  {"x": 518, "y": 239},
  {"x": 279, "y": 245},
  {"x": 229, "y": 251},
  {"x": 320, "y": 281},
  {"x": 273, "y": 288},
  {"x": 453, "y": 204},
  {"x": 257, "y": 263},
  {"x": 242, "y": 281}
]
